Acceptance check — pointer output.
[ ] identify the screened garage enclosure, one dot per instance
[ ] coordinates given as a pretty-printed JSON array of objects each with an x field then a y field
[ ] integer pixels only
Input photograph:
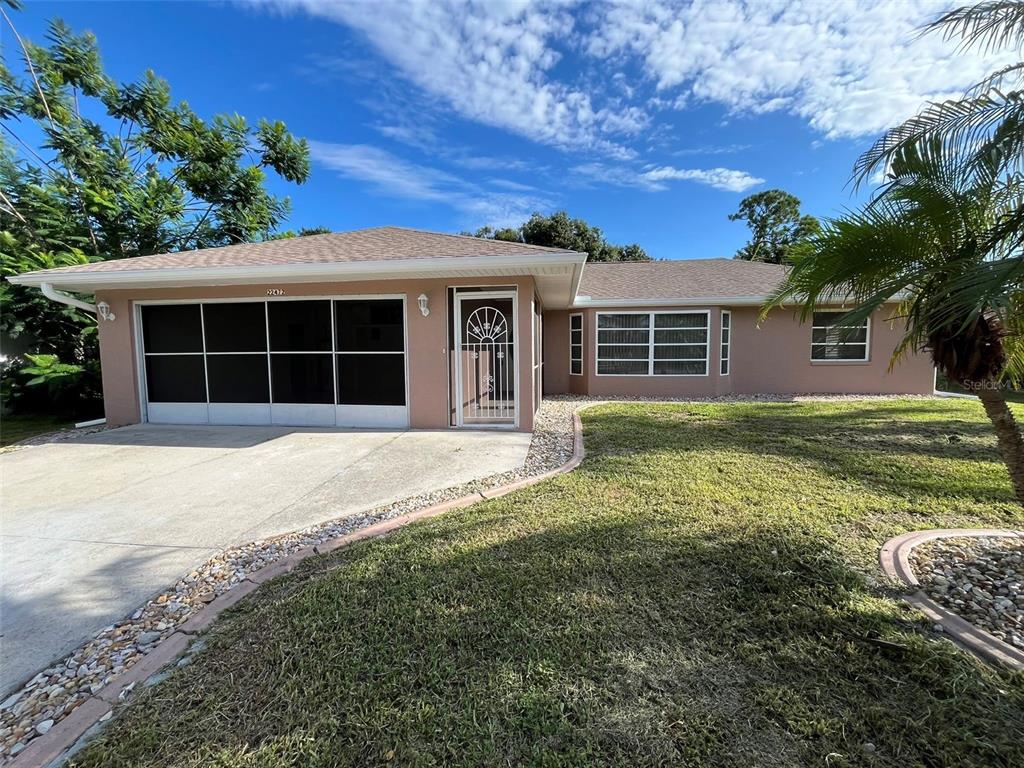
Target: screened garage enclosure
[{"x": 300, "y": 362}]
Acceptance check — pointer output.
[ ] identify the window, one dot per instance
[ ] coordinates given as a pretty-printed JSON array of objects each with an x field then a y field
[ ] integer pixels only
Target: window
[
  {"x": 652, "y": 343},
  {"x": 726, "y": 338},
  {"x": 576, "y": 344},
  {"x": 833, "y": 342}
]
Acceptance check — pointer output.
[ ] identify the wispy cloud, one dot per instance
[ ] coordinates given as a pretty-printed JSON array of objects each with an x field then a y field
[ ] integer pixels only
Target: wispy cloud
[
  {"x": 726, "y": 179},
  {"x": 497, "y": 202},
  {"x": 656, "y": 179}
]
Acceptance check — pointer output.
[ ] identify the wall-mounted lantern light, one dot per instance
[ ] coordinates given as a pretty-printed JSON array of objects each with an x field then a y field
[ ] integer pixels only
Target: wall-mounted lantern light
[
  {"x": 103, "y": 310},
  {"x": 424, "y": 309}
]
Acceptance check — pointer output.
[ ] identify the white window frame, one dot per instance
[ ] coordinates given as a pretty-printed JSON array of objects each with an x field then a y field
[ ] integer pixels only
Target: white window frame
[
  {"x": 650, "y": 344},
  {"x": 573, "y": 344},
  {"x": 848, "y": 361},
  {"x": 725, "y": 347}
]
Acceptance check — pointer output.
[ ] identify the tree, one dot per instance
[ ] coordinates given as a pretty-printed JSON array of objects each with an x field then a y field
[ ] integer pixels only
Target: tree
[
  {"x": 559, "y": 231},
  {"x": 943, "y": 234},
  {"x": 120, "y": 170},
  {"x": 776, "y": 226},
  {"x": 288, "y": 234}
]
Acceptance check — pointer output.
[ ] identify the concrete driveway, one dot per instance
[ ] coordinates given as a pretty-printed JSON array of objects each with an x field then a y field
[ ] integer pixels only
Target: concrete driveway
[{"x": 91, "y": 528}]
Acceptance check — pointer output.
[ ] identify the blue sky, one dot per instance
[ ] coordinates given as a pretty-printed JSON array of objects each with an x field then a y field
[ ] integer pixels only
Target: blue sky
[{"x": 650, "y": 120}]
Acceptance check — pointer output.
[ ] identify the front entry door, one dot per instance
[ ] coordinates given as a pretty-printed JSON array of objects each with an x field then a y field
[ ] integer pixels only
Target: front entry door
[{"x": 486, "y": 385}]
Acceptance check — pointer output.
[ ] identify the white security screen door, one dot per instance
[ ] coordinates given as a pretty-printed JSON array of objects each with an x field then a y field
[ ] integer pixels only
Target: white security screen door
[{"x": 486, "y": 360}]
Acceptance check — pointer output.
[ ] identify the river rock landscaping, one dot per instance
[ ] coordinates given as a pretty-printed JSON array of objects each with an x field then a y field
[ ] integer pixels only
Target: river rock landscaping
[{"x": 980, "y": 579}]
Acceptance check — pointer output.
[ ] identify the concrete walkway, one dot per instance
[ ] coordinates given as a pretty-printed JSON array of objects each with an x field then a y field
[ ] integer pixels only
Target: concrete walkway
[{"x": 92, "y": 527}]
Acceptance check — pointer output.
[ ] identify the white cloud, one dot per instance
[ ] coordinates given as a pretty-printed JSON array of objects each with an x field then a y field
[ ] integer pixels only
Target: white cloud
[
  {"x": 655, "y": 179},
  {"x": 725, "y": 179},
  {"x": 849, "y": 68},
  {"x": 497, "y": 202},
  {"x": 490, "y": 62}
]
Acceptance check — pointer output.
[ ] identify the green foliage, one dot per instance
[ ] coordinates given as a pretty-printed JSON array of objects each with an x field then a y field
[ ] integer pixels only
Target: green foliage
[
  {"x": 48, "y": 370},
  {"x": 777, "y": 227},
  {"x": 288, "y": 234},
  {"x": 559, "y": 231},
  {"x": 122, "y": 170}
]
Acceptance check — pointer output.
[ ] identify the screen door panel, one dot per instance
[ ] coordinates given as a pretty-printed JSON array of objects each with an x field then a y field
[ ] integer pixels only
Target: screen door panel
[{"x": 487, "y": 361}]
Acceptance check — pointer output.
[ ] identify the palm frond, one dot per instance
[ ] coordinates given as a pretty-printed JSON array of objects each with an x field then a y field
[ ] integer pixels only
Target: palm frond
[
  {"x": 990, "y": 25},
  {"x": 963, "y": 124}
]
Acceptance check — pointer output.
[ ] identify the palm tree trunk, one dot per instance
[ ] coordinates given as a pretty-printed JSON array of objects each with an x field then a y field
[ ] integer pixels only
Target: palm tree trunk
[{"x": 1008, "y": 435}]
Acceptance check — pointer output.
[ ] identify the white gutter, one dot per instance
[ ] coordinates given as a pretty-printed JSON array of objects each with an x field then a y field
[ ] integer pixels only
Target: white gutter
[{"x": 65, "y": 298}]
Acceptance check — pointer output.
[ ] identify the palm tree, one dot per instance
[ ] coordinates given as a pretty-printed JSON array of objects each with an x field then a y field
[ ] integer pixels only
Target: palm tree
[
  {"x": 944, "y": 233},
  {"x": 925, "y": 240}
]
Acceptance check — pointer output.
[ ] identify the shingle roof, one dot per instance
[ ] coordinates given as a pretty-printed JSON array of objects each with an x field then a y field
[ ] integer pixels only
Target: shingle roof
[
  {"x": 683, "y": 279},
  {"x": 376, "y": 244}
]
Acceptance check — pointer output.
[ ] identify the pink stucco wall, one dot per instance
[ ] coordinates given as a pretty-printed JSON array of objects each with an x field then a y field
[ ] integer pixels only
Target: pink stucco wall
[
  {"x": 771, "y": 359},
  {"x": 427, "y": 340}
]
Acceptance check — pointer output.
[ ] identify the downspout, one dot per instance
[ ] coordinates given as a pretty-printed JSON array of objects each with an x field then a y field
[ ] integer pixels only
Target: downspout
[{"x": 65, "y": 298}]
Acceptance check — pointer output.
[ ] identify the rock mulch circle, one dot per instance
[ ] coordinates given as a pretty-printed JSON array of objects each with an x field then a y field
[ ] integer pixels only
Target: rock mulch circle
[
  {"x": 59, "y": 689},
  {"x": 981, "y": 579}
]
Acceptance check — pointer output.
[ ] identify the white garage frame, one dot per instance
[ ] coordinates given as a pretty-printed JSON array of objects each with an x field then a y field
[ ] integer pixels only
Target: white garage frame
[{"x": 285, "y": 414}]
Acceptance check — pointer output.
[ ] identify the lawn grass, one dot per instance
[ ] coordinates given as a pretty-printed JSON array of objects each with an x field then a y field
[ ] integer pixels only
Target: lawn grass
[
  {"x": 14, "y": 429},
  {"x": 702, "y": 591}
]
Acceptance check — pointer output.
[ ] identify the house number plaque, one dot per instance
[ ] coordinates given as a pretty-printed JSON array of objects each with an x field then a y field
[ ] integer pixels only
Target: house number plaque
[{"x": 275, "y": 291}]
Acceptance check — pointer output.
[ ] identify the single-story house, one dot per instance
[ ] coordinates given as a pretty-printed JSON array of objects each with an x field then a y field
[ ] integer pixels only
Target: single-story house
[{"x": 392, "y": 327}]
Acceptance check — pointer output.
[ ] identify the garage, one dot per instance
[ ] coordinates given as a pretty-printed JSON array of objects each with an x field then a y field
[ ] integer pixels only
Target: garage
[{"x": 302, "y": 362}]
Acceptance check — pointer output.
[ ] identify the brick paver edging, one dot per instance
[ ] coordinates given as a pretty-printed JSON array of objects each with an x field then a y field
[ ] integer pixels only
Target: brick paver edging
[
  {"x": 895, "y": 561},
  {"x": 52, "y": 747}
]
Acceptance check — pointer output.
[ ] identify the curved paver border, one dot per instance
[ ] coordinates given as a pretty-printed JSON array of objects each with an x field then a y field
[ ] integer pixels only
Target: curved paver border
[
  {"x": 52, "y": 747},
  {"x": 895, "y": 561}
]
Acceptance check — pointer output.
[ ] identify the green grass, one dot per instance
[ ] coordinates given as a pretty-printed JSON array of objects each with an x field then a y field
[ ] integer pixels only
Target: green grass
[
  {"x": 702, "y": 591},
  {"x": 14, "y": 429}
]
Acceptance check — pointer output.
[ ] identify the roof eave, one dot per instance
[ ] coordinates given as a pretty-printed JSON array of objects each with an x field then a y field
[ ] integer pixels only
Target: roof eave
[{"x": 294, "y": 273}]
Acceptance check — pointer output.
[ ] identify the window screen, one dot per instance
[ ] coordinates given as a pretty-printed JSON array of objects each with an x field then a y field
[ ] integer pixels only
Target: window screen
[
  {"x": 300, "y": 326},
  {"x": 232, "y": 327},
  {"x": 238, "y": 378},
  {"x": 830, "y": 341},
  {"x": 652, "y": 344},
  {"x": 175, "y": 379},
  {"x": 373, "y": 325},
  {"x": 302, "y": 378},
  {"x": 576, "y": 344},
  {"x": 172, "y": 328},
  {"x": 371, "y": 379}
]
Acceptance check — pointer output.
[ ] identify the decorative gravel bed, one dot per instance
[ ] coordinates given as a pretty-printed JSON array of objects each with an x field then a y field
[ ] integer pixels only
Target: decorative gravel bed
[
  {"x": 59, "y": 689},
  {"x": 980, "y": 579}
]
